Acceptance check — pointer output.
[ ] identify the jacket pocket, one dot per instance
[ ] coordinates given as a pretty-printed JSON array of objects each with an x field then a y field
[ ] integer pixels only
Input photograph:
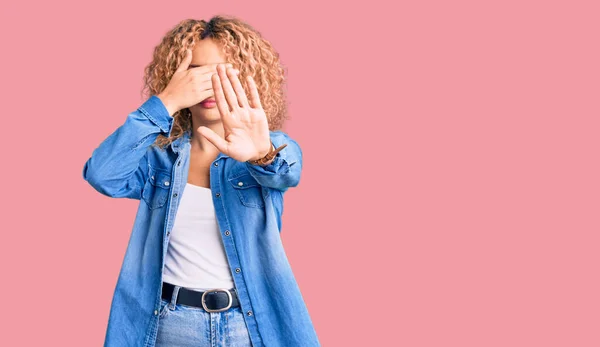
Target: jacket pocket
[
  {"x": 249, "y": 190},
  {"x": 156, "y": 189}
]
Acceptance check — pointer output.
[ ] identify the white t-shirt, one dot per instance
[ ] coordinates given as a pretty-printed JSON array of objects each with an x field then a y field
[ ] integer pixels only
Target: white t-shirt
[{"x": 196, "y": 256}]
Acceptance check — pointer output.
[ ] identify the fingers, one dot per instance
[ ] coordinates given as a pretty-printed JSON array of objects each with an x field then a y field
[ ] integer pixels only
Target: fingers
[
  {"x": 206, "y": 76},
  {"x": 214, "y": 138},
  {"x": 202, "y": 75},
  {"x": 209, "y": 93},
  {"x": 185, "y": 63},
  {"x": 237, "y": 87},
  {"x": 203, "y": 83},
  {"x": 227, "y": 89},
  {"x": 254, "y": 96},
  {"x": 220, "y": 97},
  {"x": 209, "y": 68}
]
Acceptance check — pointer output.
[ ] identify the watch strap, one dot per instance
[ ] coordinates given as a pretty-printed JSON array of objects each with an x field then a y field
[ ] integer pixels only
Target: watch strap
[{"x": 272, "y": 153}]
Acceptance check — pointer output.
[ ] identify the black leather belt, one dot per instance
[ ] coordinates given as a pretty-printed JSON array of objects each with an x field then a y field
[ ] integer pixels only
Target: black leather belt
[{"x": 213, "y": 300}]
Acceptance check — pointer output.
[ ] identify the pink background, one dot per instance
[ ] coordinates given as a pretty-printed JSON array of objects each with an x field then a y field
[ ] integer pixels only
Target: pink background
[{"x": 450, "y": 192}]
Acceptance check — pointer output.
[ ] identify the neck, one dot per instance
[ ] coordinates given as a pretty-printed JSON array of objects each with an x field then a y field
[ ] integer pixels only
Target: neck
[{"x": 199, "y": 142}]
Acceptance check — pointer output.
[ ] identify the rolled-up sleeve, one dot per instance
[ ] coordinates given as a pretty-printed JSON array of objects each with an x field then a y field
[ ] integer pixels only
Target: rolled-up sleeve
[
  {"x": 117, "y": 167},
  {"x": 285, "y": 169}
]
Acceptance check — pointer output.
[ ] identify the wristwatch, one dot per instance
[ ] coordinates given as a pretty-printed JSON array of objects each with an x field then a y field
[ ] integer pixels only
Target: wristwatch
[{"x": 272, "y": 153}]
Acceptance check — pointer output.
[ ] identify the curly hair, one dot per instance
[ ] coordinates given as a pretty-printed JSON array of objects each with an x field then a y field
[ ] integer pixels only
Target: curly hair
[{"x": 243, "y": 46}]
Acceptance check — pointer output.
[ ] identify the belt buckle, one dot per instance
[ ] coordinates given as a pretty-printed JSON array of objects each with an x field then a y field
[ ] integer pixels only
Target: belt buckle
[{"x": 219, "y": 309}]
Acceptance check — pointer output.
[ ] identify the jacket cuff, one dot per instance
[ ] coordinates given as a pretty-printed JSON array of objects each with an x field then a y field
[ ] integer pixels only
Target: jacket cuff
[
  {"x": 156, "y": 111},
  {"x": 280, "y": 164}
]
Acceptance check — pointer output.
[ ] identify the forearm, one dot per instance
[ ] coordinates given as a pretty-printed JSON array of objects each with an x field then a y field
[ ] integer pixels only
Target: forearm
[
  {"x": 285, "y": 169},
  {"x": 114, "y": 166}
]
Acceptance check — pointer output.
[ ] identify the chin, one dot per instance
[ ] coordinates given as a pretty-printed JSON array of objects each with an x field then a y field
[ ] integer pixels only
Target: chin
[{"x": 205, "y": 113}]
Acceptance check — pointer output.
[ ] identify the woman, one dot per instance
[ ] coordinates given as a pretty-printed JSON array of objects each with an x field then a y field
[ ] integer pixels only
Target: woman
[{"x": 205, "y": 156}]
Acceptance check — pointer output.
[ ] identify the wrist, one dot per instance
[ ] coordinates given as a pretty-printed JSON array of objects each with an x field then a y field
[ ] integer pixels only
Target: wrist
[
  {"x": 263, "y": 154},
  {"x": 168, "y": 103},
  {"x": 269, "y": 157}
]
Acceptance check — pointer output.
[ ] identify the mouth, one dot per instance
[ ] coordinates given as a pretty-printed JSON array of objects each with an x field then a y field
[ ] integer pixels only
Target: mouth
[{"x": 208, "y": 103}]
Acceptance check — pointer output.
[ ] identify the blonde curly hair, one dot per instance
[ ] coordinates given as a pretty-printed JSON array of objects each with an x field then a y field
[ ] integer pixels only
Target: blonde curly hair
[{"x": 244, "y": 47}]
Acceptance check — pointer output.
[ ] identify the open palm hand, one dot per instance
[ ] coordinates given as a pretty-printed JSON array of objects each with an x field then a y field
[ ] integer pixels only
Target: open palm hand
[{"x": 246, "y": 129}]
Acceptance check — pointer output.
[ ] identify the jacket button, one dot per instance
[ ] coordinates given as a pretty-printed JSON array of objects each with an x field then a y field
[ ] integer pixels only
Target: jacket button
[
  {"x": 240, "y": 183},
  {"x": 249, "y": 313},
  {"x": 175, "y": 195},
  {"x": 238, "y": 270},
  {"x": 218, "y": 195},
  {"x": 167, "y": 183},
  {"x": 179, "y": 164},
  {"x": 155, "y": 312},
  {"x": 216, "y": 164},
  {"x": 227, "y": 232},
  {"x": 168, "y": 233}
]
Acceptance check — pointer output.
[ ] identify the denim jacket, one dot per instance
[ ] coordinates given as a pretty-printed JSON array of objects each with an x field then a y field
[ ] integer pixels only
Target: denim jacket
[{"x": 248, "y": 201}]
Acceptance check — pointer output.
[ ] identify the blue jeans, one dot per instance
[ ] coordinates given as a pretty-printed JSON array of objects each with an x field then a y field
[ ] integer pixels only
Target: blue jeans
[{"x": 186, "y": 326}]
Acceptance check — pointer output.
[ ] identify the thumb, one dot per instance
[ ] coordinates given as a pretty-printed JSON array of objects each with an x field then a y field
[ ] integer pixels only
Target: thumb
[
  {"x": 185, "y": 63},
  {"x": 214, "y": 138}
]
